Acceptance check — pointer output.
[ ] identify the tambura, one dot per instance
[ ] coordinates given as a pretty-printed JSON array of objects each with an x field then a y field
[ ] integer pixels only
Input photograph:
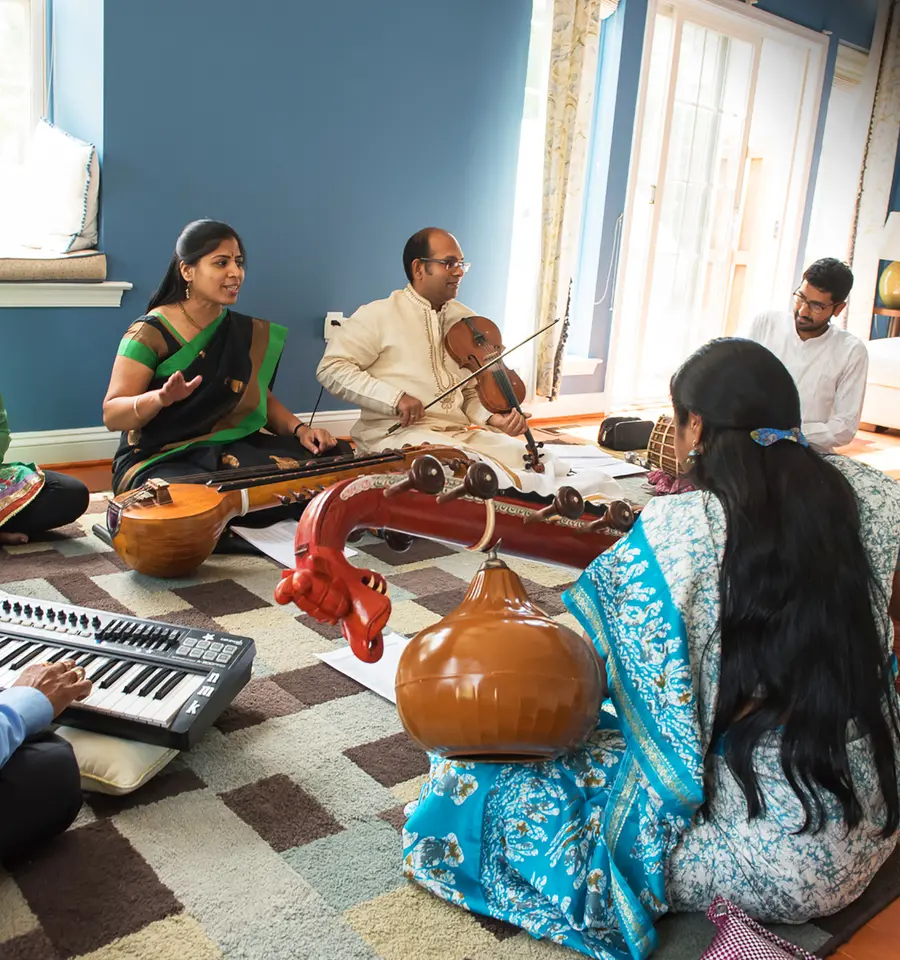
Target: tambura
[{"x": 661, "y": 446}]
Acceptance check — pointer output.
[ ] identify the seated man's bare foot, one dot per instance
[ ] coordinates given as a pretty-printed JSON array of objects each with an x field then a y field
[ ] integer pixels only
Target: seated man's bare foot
[{"x": 13, "y": 538}]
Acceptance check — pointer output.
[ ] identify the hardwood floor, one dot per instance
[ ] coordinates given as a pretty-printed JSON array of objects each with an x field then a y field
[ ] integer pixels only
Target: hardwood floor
[{"x": 879, "y": 939}]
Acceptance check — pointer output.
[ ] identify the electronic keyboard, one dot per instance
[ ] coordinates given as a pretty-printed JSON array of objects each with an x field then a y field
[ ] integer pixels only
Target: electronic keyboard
[{"x": 156, "y": 682}]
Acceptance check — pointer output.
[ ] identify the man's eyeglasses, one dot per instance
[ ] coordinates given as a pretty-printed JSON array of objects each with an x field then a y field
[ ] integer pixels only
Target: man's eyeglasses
[
  {"x": 450, "y": 263},
  {"x": 814, "y": 306}
]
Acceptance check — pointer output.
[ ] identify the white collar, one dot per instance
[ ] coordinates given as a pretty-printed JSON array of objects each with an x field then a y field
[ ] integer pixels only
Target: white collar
[
  {"x": 827, "y": 335},
  {"x": 419, "y": 299}
]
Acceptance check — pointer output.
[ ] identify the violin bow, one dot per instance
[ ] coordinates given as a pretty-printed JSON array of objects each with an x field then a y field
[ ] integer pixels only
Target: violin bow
[{"x": 481, "y": 369}]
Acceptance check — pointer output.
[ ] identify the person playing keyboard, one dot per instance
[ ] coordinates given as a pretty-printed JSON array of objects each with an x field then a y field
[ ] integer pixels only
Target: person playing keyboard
[{"x": 40, "y": 784}]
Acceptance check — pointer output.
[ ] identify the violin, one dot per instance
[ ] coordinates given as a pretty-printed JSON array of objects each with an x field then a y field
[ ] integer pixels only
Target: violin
[{"x": 474, "y": 341}]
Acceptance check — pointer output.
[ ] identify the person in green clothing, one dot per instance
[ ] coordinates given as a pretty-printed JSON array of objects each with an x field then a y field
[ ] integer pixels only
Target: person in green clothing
[
  {"x": 32, "y": 500},
  {"x": 190, "y": 389}
]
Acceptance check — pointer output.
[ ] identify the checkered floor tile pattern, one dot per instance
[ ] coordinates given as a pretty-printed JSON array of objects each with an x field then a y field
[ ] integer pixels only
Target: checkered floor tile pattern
[{"x": 278, "y": 835}]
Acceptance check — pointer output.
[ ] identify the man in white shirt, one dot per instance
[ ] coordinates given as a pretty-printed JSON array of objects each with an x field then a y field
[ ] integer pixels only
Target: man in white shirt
[
  {"x": 828, "y": 364},
  {"x": 389, "y": 359}
]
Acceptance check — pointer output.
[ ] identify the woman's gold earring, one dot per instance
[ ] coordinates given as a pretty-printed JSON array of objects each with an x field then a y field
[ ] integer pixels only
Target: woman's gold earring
[{"x": 187, "y": 291}]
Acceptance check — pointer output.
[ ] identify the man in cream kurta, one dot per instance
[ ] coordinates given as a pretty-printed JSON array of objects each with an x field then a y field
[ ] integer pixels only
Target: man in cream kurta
[
  {"x": 389, "y": 359},
  {"x": 828, "y": 364}
]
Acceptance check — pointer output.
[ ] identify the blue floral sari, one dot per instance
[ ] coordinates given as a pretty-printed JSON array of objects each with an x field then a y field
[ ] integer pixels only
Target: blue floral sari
[{"x": 580, "y": 850}]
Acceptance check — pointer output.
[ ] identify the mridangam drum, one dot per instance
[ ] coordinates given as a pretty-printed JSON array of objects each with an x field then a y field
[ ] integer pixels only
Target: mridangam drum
[{"x": 661, "y": 446}]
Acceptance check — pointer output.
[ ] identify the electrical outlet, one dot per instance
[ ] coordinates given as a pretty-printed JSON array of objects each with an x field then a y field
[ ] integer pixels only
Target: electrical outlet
[{"x": 333, "y": 320}]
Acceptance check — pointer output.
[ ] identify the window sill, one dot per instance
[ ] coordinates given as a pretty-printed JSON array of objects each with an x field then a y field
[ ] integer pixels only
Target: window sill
[
  {"x": 26, "y": 294},
  {"x": 573, "y": 366}
]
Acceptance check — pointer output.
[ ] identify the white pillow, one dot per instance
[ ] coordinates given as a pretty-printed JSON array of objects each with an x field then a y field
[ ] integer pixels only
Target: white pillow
[
  {"x": 112, "y": 765},
  {"x": 61, "y": 189}
]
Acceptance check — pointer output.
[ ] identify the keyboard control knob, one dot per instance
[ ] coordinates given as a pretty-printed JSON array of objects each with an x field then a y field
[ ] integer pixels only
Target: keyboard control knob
[
  {"x": 95, "y": 623},
  {"x": 17, "y": 608},
  {"x": 39, "y": 612},
  {"x": 7, "y": 606},
  {"x": 27, "y": 610}
]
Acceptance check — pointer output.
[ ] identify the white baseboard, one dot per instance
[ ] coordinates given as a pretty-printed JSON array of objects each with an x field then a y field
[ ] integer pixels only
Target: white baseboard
[{"x": 97, "y": 443}]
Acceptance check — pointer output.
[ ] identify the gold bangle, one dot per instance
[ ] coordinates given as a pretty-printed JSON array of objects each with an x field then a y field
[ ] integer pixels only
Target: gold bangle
[{"x": 134, "y": 404}]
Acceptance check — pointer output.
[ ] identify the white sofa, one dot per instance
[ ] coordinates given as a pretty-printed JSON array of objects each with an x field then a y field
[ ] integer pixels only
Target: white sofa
[{"x": 882, "y": 404}]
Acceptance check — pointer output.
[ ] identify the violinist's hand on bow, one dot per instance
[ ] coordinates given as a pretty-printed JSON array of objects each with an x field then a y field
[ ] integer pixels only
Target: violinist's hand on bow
[
  {"x": 513, "y": 423},
  {"x": 409, "y": 410}
]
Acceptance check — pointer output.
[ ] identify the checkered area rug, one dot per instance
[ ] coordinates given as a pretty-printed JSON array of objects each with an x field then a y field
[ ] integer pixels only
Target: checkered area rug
[{"x": 278, "y": 835}]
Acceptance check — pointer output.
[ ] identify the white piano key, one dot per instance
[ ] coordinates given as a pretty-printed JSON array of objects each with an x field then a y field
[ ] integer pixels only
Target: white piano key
[
  {"x": 152, "y": 704},
  {"x": 38, "y": 655},
  {"x": 170, "y": 706},
  {"x": 104, "y": 698}
]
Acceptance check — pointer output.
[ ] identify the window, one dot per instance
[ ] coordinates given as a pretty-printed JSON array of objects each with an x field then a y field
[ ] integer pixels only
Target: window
[
  {"x": 525, "y": 253},
  {"x": 22, "y": 76}
]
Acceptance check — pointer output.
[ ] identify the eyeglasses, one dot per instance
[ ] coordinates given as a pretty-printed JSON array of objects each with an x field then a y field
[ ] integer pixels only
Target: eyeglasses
[
  {"x": 814, "y": 306},
  {"x": 450, "y": 263}
]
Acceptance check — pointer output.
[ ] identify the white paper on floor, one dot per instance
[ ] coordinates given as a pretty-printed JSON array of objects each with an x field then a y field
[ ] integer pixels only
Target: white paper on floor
[
  {"x": 277, "y": 541},
  {"x": 583, "y": 457},
  {"x": 378, "y": 677}
]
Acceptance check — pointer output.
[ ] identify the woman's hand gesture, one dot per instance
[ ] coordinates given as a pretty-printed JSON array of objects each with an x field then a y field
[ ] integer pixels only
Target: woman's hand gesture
[{"x": 175, "y": 388}]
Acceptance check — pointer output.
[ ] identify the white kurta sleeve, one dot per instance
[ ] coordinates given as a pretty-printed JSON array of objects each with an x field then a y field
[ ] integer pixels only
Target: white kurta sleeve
[
  {"x": 841, "y": 427},
  {"x": 342, "y": 371}
]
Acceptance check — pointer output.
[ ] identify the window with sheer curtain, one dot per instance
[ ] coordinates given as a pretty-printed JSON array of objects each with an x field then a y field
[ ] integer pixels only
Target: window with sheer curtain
[{"x": 22, "y": 79}]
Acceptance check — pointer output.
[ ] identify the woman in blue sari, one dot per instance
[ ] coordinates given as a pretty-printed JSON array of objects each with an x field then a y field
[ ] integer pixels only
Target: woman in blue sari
[
  {"x": 749, "y": 742},
  {"x": 191, "y": 386}
]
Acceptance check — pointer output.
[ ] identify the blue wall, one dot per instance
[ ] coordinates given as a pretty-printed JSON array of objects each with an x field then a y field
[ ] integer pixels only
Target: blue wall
[
  {"x": 325, "y": 133},
  {"x": 850, "y": 20}
]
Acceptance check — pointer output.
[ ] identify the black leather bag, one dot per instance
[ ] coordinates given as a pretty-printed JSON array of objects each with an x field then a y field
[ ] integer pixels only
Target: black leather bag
[{"x": 625, "y": 433}]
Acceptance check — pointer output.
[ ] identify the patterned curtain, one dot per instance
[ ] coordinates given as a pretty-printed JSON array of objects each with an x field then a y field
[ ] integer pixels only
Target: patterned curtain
[
  {"x": 873, "y": 200},
  {"x": 570, "y": 101}
]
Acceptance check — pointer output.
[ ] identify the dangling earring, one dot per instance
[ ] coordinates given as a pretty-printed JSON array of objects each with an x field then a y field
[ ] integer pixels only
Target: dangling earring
[
  {"x": 187, "y": 291},
  {"x": 690, "y": 461}
]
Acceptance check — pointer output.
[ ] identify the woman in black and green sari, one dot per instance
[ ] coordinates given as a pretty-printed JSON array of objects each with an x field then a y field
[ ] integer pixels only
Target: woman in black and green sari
[{"x": 191, "y": 384}]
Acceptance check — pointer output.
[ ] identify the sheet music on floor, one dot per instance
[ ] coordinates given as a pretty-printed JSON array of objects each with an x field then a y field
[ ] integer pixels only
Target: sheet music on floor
[
  {"x": 584, "y": 457},
  {"x": 277, "y": 541},
  {"x": 378, "y": 677}
]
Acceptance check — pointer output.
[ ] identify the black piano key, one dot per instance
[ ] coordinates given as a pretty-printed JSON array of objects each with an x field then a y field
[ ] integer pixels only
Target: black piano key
[
  {"x": 20, "y": 648},
  {"x": 170, "y": 685},
  {"x": 84, "y": 659},
  {"x": 35, "y": 651},
  {"x": 138, "y": 679},
  {"x": 157, "y": 678},
  {"x": 62, "y": 654},
  {"x": 103, "y": 669},
  {"x": 120, "y": 671}
]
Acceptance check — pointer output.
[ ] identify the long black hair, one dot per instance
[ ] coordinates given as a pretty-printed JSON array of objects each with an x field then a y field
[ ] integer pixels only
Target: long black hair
[
  {"x": 195, "y": 241},
  {"x": 802, "y": 649}
]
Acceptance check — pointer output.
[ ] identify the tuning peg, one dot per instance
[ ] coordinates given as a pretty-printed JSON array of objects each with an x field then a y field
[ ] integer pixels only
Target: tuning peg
[
  {"x": 480, "y": 481},
  {"x": 617, "y": 514},
  {"x": 425, "y": 475},
  {"x": 567, "y": 503}
]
